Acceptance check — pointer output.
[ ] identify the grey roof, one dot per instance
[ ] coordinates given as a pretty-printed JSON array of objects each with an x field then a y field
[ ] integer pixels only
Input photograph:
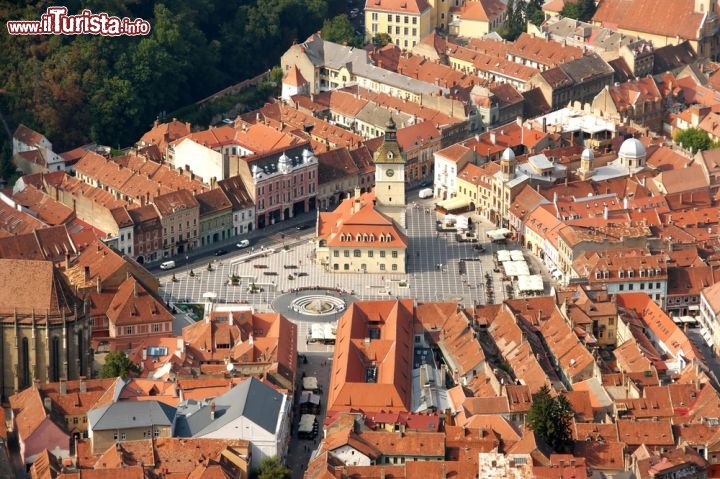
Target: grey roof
[
  {"x": 586, "y": 68},
  {"x": 251, "y": 399},
  {"x": 126, "y": 414},
  {"x": 335, "y": 56},
  {"x": 378, "y": 116}
]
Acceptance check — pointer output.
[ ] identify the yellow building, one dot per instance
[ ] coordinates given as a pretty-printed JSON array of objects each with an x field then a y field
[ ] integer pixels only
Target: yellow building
[
  {"x": 366, "y": 233},
  {"x": 476, "y": 18},
  {"x": 405, "y": 21}
]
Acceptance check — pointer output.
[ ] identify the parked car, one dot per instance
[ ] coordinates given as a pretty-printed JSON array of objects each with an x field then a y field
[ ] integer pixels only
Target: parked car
[
  {"x": 302, "y": 227},
  {"x": 167, "y": 265},
  {"x": 243, "y": 244},
  {"x": 220, "y": 252}
]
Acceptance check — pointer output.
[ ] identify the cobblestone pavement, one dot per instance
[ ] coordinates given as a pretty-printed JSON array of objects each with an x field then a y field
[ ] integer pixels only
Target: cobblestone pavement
[{"x": 283, "y": 262}]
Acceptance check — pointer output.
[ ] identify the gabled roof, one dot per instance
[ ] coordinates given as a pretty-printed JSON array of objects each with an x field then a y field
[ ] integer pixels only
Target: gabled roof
[
  {"x": 671, "y": 18},
  {"x": 130, "y": 414},
  {"x": 372, "y": 374},
  {"x": 294, "y": 77},
  {"x": 42, "y": 287},
  {"x": 27, "y": 135},
  {"x": 397, "y": 6},
  {"x": 480, "y": 10},
  {"x": 133, "y": 304},
  {"x": 251, "y": 399}
]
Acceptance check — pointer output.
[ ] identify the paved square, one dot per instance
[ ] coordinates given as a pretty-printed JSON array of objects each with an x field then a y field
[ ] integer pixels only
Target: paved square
[{"x": 281, "y": 263}]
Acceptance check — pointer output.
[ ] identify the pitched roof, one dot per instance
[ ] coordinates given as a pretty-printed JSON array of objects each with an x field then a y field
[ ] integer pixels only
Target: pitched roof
[
  {"x": 124, "y": 414},
  {"x": 251, "y": 399},
  {"x": 671, "y": 18},
  {"x": 368, "y": 373},
  {"x": 397, "y": 6},
  {"x": 480, "y": 10},
  {"x": 213, "y": 201},
  {"x": 42, "y": 287},
  {"x": 294, "y": 77}
]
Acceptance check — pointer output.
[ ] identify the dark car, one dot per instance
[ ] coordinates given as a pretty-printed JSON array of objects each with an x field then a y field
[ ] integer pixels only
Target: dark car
[
  {"x": 220, "y": 252},
  {"x": 302, "y": 227}
]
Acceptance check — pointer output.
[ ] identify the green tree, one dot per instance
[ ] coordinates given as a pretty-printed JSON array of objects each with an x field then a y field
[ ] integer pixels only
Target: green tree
[
  {"x": 551, "y": 418},
  {"x": 272, "y": 468},
  {"x": 534, "y": 13},
  {"x": 381, "y": 39},
  {"x": 693, "y": 138},
  {"x": 118, "y": 364},
  {"x": 514, "y": 21},
  {"x": 339, "y": 30},
  {"x": 582, "y": 10}
]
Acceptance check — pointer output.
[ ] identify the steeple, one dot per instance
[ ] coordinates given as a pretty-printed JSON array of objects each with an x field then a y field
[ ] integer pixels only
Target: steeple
[{"x": 507, "y": 164}]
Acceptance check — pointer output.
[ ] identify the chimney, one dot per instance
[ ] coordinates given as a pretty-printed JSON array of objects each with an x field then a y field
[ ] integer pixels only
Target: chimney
[
  {"x": 98, "y": 285},
  {"x": 47, "y": 402},
  {"x": 250, "y": 339},
  {"x": 605, "y": 213},
  {"x": 135, "y": 291},
  {"x": 83, "y": 385},
  {"x": 87, "y": 273},
  {"x": 212, "y": 410},
  {"x": 144, "y": 354},
  {"x": 180, "y": 347},
  {"x": 544, "y": 125},
  {"x": 156, "y": 123},
  {"x": 63, "y": 386},
  {"x": 492, "y": 137},
  {"x": 230, "y": 319},
  {"x": 67, "y": 261}
]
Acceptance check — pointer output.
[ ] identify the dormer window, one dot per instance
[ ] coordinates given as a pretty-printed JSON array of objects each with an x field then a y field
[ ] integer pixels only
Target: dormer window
[
  {"x": 658, "y": 271},
  {"x": 642, "y": 273},
  {"x": 621, "y": 274},
  {"x": 631, "y": 273},
  {"x": 606, "y": 274},
  {"x": 597, "y": 274}
]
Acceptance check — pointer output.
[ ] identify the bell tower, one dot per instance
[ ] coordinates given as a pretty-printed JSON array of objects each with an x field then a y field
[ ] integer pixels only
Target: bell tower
[{"x": 390, "y": 177}]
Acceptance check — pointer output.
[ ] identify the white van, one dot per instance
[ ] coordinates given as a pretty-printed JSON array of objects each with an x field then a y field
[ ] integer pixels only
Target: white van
[
  {"x": 425, "y": 193},
  {"x": 167, "y": 265}
]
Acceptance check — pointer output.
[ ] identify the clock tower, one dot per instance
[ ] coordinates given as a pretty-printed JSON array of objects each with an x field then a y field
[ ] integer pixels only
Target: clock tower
[{"x": 390, "y": 177}]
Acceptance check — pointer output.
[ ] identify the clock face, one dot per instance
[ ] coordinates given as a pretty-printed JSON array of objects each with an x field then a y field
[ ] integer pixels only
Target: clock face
[{"x": 389, "y": 172}]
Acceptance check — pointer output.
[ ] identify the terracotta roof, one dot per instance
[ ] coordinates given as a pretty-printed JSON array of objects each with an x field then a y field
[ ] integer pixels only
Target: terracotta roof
[
  {"x": 27, "y": 135},
  {"x": 133, "y": 304},
  {"x": 294, "y": 77},
  {"x": 481, "y": 10},
  {"x": 345, "y": 227},
  {"x": 42, "y": 287},
  {"x": 372, "y": 375},
  {"x": 415, "y": 136},
  {"x": 171, "y": 202},
  {"x": 14, "y": 222},
  {"x": 605, "y": 432},
  {"x": 671, "y": 18},
  {"x": 649, "y": 433},
  {"x": 213, "y": 201},
  {"x": 397, "y": 6},
  {"x": 162, "y": 134},
  {"x": 605, "y": 456},
  {"x": 543, "y": 51},
  {"x": 336, "y": 164}
]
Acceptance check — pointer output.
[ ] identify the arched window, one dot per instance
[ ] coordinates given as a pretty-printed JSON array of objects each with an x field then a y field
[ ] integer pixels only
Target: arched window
[
  {"x": 54, "y": 370},
  {"x": 25, "y": 364}
]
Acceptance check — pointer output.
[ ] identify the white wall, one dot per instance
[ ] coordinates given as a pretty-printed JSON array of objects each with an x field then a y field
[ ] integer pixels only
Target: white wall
[
  {"x": 203, "y": 161},
  {"x": 351, "y": 457}
]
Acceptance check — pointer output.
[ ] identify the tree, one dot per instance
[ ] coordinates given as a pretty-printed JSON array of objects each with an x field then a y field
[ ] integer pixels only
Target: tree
[
  {"x": 339, "y": 30},
  {"x": 381, "y": 39},
  {"x": 118, "y": 364},
  {"x": 551, "y": 418},
  {"x": 272, "y": 468},
  {"x": 534, "y": 13},
  {"x": 693, "y": 138},
  {"x": 514, "y": 21},
  {"x": 582, "y": 10}
]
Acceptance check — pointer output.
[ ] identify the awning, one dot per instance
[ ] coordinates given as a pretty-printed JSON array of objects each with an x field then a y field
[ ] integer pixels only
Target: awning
[
  {"x": 530, "y": 283},
  {"x": 503, "y": 255},
  {"x": 499, "y": 234},
  {"x": 310, "y": 383},
  {"x": 694, "y": 307},
  {"x": 453, "y": 204},
  {"x": 307, "y": 423}
]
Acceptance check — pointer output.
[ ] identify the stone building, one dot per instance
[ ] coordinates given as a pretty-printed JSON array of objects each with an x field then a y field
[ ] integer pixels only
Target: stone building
[{"x": 44, "y": 329}]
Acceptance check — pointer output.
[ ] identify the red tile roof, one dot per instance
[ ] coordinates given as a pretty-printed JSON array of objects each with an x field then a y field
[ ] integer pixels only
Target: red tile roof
[
  {"x": 356, "y": 354},
  {"x": 671, "y": 18},
  {"x": 397, "y": 6}
]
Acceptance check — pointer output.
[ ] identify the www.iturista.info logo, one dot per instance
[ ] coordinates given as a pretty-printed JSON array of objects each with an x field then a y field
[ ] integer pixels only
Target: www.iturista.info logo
[{"x": 56, "y": 21}]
